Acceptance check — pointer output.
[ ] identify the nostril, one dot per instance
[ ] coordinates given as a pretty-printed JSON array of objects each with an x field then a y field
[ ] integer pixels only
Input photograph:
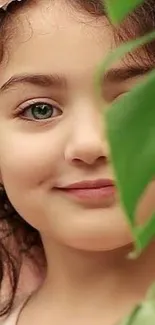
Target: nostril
[
  {"x": 102, "y": 159},
  {"x": 90, "y": 161},
  {"x": 90, "y": 152}
]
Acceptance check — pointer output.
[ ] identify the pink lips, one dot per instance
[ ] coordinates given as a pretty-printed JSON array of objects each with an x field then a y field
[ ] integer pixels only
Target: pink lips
[{"x": 92, "y": 192}]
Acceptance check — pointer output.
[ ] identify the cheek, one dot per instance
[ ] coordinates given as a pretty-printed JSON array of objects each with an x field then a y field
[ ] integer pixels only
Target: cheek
[
  {"x": 28, "y": 159},
  {"x": 29, "y": 166}
]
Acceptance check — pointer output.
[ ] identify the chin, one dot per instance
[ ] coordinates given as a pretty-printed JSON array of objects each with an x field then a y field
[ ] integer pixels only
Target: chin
[{"x": 98, "y": 244}]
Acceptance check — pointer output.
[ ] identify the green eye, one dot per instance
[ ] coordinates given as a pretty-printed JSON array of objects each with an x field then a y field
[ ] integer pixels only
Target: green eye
[{"x": 40, "y": 111}]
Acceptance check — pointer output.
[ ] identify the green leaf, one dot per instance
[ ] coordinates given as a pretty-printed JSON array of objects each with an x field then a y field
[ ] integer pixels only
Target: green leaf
[
  {"x": 129, "y": 319},
  {"x": 131, "y": 134},
  {"x": 118, "y": 54},
  {"x": 143, "y": 314},
  {"x": 133, "y": 161},
  {"x": 117, "y": 10},
  {"x": 151, "y": 293}
]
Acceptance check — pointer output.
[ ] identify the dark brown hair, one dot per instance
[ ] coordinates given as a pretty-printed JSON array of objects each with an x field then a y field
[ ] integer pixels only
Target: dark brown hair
[{"x": 17, "y": 238}]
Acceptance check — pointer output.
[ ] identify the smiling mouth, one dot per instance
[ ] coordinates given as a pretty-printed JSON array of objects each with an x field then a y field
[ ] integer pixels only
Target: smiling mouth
[{"x": 100, "y": 192}]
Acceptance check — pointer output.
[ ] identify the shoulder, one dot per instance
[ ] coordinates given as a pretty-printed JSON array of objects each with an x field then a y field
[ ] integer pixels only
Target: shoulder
[
  {"x": 29, "y": 281},
  {"x": 13, "y": 317}
]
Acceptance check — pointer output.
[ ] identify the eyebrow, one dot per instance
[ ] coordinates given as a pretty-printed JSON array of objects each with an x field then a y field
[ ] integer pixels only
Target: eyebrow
[
  {"x": 124, "y": 73},
  {"x": 57, "y": 81},
  {"x": 42, "y": 80}
]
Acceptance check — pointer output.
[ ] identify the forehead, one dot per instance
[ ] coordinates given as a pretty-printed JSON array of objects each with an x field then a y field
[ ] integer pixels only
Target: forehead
[
  {"x": 52, "y": 37},
  {"x": 56, "y": 37}
]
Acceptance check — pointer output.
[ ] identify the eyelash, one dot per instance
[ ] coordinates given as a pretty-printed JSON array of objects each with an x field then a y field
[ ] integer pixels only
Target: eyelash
[{"x": 31, "y": 105}]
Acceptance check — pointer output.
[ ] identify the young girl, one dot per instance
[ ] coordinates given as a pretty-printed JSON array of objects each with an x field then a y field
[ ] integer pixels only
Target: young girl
[{"x": 64, "y": 238}]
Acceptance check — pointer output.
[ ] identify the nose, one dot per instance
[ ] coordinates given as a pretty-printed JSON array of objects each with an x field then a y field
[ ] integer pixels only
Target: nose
[{"x": 87, "y": 143}]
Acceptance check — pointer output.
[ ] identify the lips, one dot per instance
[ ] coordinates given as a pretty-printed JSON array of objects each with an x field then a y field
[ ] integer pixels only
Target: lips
[
  {"x": 100, "y": 183},
  {"x": 99, "y": 193}
]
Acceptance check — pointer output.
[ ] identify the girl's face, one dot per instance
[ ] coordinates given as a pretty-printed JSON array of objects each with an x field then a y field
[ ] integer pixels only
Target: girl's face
[{"x": 51, "y": 127}]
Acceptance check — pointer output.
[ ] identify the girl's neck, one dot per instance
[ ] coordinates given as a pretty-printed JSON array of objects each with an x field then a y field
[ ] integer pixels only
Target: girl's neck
[
  {"x": 103, "y": 283},
  {"x": 72, "y": 267}
]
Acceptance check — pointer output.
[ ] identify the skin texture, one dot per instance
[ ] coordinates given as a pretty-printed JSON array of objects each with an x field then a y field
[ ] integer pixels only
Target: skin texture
[{"x": 85, "y": 245}]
